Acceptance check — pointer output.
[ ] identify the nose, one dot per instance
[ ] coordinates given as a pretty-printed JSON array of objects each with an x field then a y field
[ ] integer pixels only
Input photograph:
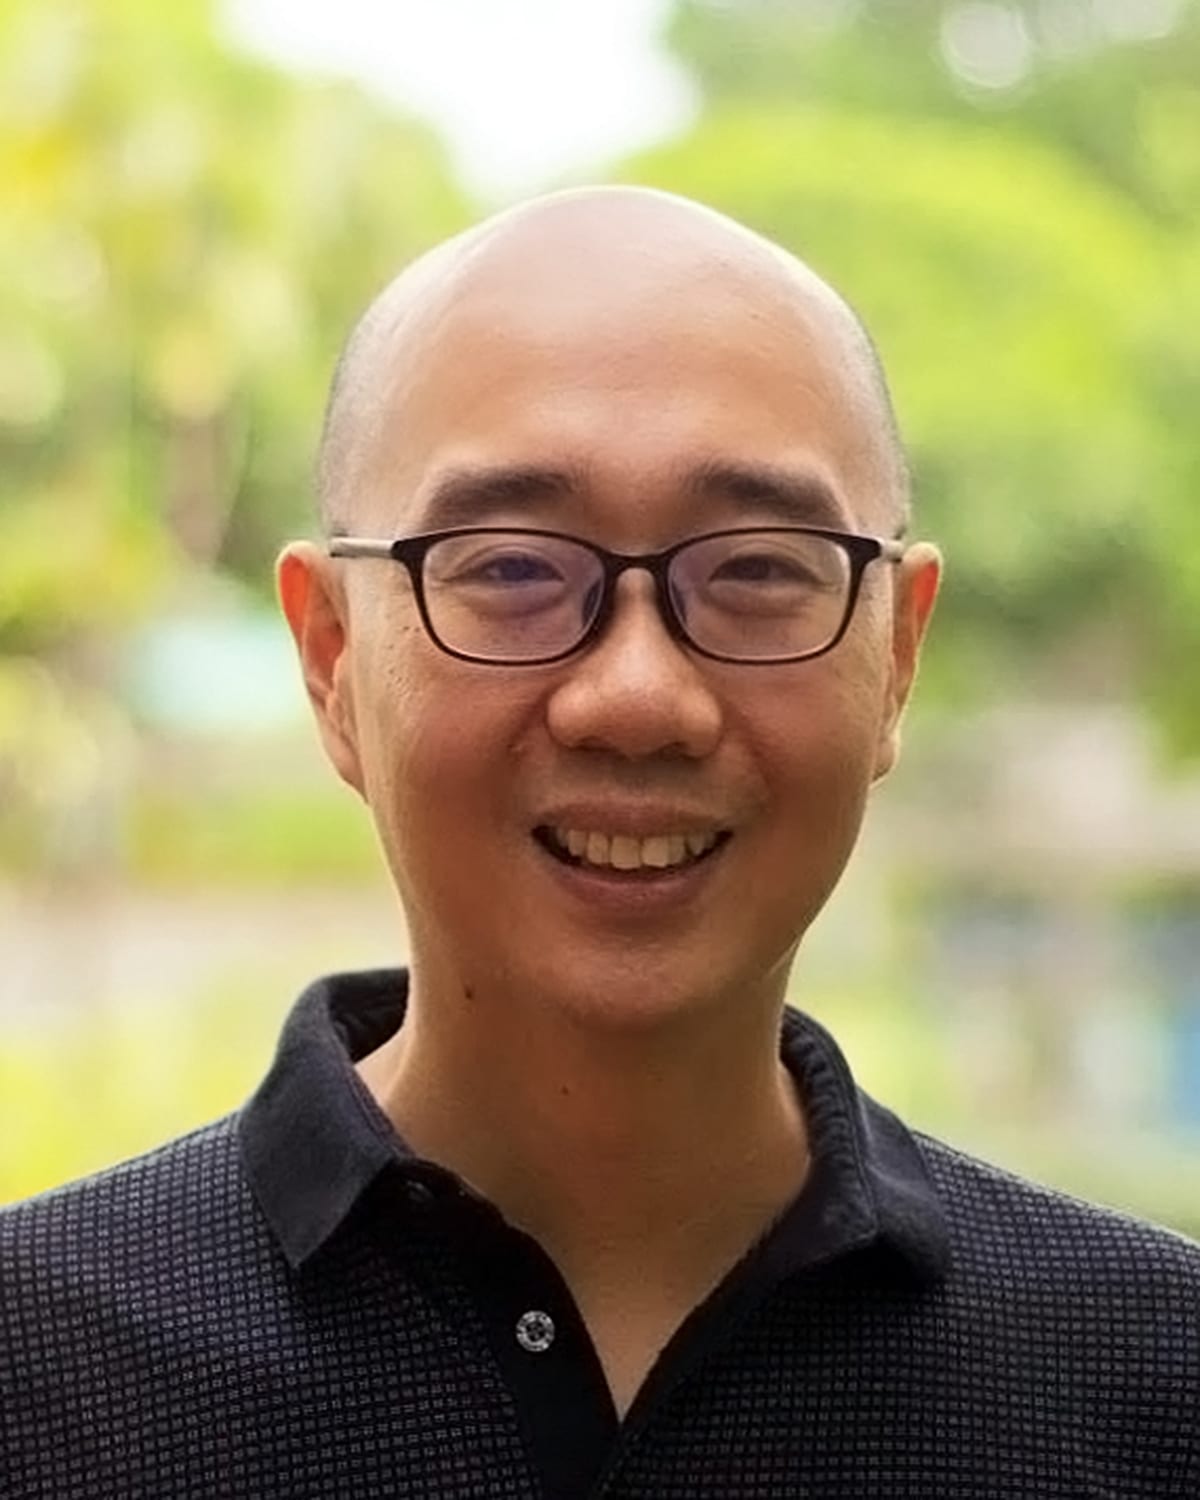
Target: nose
[{"x": 636, "y": 692}]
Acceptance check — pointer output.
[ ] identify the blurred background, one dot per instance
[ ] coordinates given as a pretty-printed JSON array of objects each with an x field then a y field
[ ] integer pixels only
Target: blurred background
[{"x": 198, "y": 198}]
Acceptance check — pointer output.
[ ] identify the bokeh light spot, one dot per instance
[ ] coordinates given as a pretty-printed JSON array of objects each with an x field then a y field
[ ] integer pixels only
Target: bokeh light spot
[{"x": 987, "y": 45}]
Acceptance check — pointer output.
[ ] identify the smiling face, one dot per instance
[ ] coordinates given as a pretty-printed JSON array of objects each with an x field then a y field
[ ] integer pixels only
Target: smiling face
[{"x": 636, "y": 831}]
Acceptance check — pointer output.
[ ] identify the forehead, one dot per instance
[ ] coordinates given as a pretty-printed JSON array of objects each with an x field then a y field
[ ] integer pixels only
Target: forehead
[{"x": 625, "y": 373}]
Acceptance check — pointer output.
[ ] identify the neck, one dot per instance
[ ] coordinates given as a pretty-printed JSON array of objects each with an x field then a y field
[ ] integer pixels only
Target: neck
[{"x": 672, "y": 1147}]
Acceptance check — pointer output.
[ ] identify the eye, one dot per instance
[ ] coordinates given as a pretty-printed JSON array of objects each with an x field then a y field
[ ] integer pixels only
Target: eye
[
  {"x": 760, "y": 575},
  {"x": 508, "y": 569},
  {"x": 775, "y": 568},
  {"x": 763, "y": 567}
]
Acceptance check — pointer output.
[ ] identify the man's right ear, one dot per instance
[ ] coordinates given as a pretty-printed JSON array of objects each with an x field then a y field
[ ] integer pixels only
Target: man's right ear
[{"x": 315, "y": 607}]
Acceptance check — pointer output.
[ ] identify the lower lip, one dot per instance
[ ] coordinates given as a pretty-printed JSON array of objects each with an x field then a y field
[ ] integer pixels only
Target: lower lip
[{"x": 645, "y": 892}]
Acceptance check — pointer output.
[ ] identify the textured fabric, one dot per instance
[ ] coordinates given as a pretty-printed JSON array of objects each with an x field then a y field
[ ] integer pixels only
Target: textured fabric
[{"x": 289, "y": 1303}]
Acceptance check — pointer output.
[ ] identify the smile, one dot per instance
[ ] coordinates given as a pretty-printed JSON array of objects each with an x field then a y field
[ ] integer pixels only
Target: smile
[{"x": 658, "y": 851}]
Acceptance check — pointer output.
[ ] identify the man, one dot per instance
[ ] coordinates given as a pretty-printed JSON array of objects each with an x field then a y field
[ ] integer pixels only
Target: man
[{"x": 612, "y": 629}]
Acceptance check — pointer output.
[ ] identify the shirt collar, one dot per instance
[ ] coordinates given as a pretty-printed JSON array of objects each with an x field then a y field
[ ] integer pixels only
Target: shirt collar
[
  {"x": 313, "y": 1140},
  {"x": 868, "y": 1182}
]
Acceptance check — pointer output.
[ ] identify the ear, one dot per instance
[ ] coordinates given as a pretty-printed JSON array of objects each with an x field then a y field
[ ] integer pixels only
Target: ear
[
  {"x": 918, "y": 576},
  {"x": 315, "y": 607}
]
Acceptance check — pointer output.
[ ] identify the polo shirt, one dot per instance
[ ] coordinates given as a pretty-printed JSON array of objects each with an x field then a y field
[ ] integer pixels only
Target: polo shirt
[{"x": 290, "y": 1302}]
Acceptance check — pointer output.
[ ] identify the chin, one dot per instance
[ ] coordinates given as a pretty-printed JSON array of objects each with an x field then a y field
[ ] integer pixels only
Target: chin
[{"x": 634, "y": 994}]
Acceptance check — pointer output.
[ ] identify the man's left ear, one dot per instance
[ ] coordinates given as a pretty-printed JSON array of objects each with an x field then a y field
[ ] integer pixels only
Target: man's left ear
[{"x": 916, "y": 585}]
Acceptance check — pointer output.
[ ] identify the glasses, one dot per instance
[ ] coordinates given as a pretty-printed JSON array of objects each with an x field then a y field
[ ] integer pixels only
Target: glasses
[{"x": 509, "y": 598}]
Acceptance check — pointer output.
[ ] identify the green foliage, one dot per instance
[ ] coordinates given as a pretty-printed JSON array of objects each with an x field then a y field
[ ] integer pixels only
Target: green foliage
[
  {"x": 1112, "y": 83},
  {"x": 189, "y": 236},
  {"x": 86, "y": 1090},
  {"x": 250, "y": 835}
]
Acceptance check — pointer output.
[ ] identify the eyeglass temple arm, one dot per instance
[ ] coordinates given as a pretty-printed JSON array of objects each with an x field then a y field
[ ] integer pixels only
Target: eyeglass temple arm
[{"x": 358, "y": 546}]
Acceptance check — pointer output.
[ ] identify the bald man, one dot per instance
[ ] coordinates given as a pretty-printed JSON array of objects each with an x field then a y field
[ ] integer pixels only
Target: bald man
[{"x": 611, "y": 625}]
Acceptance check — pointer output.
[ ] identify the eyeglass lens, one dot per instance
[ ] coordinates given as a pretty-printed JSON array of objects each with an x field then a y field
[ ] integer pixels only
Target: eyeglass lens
[{"x": 750, "y": 596}]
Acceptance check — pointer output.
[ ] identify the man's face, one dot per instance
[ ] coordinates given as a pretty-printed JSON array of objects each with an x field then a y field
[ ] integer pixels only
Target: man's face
[{"x": 477, "y": 774}]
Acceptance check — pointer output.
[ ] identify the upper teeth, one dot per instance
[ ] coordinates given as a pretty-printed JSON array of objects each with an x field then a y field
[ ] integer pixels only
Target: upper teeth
[{"x": 620, "y": 852}]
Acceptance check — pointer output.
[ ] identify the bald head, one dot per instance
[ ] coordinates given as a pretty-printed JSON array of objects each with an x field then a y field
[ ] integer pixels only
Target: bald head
[{"x": 612, "y": 258}]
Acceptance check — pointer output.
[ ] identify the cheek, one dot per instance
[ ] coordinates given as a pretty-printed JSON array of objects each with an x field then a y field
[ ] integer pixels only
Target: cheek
[
  {"x": 389, "y": 724},
  {"x": 819, "y": 748},
  {"x": 426, "y": 788},
  {"x": 439, "y": 738}
]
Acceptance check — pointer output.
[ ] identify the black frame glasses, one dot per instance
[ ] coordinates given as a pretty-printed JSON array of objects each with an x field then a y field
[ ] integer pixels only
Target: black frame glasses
[{"x": 412, "y": 551}]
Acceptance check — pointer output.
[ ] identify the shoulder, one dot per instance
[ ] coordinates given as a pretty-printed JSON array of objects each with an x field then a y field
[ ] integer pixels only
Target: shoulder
[
  {"x": 1005, "y": 1222},
  {"x": 184, "y": 1197},
  {"x": 1070, "y": 1280},
  {"x": 1095, "y": 1310},
  {"x": 104, "y": 1279},
  {"x": 128, "y": 1301}
]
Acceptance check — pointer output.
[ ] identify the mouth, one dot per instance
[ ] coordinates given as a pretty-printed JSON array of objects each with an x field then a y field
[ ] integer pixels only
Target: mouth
[{"x": 625, "y": 855}]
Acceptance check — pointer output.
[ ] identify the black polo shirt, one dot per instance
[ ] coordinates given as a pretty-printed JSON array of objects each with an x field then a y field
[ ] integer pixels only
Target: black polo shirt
[{"x": 289, "y": 1303}]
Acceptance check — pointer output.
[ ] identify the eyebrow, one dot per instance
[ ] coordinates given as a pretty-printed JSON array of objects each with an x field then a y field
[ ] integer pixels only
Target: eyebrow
[
  {"x": 467, "y": 497},
  {"x": 795, "y": 497},
  {"x": 473, "y": 496}
]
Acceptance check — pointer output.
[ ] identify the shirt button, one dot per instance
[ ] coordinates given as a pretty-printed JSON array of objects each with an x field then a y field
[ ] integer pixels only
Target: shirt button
[{"x": 535, "y": 1331}]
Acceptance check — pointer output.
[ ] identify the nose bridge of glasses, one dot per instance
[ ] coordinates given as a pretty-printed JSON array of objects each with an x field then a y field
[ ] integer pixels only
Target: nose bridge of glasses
[{"x": 653, "y": 588}]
